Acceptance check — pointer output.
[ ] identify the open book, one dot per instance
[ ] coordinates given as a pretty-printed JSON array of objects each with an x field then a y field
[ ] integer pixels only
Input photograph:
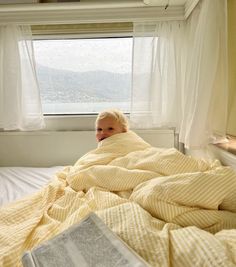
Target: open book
[{"x": 87, "y": 244}]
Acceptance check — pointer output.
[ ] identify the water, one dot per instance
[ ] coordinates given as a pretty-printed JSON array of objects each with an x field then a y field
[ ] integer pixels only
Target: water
[{"x": 83, "y": 108}]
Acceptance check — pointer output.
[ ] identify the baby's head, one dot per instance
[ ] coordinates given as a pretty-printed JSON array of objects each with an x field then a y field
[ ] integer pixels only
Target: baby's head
[{"x": 110, "y": 122}]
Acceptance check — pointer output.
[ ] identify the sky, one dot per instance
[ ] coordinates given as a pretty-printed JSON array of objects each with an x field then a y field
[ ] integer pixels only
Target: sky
[{"x": 108, "y": 54}]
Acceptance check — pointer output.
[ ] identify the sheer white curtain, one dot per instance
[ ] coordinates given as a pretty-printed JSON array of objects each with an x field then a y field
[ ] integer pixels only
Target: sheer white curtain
[
  {"x": 20, "y": 105},
  {"x": 206, "y": 82},
  {"x": 157, "y": 74},
  {"x": 180, "y": 75}
]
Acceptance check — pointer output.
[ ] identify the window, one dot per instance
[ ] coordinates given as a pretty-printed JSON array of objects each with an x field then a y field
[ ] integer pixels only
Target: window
[{"x": 84, "y": 76}]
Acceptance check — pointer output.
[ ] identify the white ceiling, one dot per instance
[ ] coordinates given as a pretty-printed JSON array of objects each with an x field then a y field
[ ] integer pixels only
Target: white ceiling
[
  {"x": 165, "y": 2},
  {"x": 92, "y": 11}
]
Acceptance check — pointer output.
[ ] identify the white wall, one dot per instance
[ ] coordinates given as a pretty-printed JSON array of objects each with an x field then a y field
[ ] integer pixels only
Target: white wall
[
  {"x": 231, "y": 127},
  {"x": 50, "y": 148}
]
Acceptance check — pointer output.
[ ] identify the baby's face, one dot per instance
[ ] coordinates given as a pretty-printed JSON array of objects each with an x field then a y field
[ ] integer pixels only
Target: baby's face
[{"x": 107, "y": 127}]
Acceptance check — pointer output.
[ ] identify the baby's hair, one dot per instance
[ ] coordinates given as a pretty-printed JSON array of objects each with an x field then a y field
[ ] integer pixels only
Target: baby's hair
[{"x": 118, "y": 115}]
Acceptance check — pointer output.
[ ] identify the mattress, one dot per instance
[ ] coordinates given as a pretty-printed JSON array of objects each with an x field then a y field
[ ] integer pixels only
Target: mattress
[{"x": 17, "y": 182}]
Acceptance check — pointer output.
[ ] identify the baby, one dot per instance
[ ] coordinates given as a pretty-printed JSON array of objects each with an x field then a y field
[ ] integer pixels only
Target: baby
[{"x": 110, "y": 122}]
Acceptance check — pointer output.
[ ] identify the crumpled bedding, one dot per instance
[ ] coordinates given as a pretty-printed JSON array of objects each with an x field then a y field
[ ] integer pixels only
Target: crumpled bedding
[{"x": 173, "y": 210}]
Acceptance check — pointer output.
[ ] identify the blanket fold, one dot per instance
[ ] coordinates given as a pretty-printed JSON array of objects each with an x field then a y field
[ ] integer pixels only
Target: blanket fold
[{"x": 159, "y": 201}]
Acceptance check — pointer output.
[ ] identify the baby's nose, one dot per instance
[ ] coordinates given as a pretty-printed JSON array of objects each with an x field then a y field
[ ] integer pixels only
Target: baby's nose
[
  {"x": 104, "y": 134},
  {"x": 104, "y": 131}
]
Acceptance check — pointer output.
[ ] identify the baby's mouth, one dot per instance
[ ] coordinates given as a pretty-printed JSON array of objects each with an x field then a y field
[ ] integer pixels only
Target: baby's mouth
[{"x": 102, "y": 139}]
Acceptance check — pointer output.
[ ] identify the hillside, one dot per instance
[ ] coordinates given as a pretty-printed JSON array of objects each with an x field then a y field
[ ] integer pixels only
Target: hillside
[{"x": 65, "y": 86}]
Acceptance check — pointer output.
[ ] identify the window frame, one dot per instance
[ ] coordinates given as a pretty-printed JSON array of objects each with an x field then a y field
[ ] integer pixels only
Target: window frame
[{"x": 60, "y": 122}]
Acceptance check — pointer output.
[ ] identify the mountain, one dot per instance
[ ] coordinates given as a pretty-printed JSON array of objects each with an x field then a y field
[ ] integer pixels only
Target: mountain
[{"x": 65, "y": 86}]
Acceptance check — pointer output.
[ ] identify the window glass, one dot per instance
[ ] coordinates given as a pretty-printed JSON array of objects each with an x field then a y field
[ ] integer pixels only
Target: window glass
[{"x": 84, "y": 76}]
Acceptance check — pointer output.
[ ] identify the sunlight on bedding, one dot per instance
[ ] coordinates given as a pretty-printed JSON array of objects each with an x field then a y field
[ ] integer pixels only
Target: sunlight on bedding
[{"x": 177, "y": 210}]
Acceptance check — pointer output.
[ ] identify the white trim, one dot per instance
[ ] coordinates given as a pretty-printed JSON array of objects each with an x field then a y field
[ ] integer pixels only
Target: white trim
[
  {"x": 99, "y": 4},
  {"x": 92, "y": 12},
  {"x": 6, "y": 2},
  {"x": 75, "y": 13},
  {"x": 80, "y": 36},
  {"x": 189, "y": 6},
  {"x": 70, "y": 122}
]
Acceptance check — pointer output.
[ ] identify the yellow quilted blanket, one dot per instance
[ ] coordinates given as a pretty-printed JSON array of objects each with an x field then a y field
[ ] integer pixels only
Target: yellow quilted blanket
[{"x": 173, "y": 210}]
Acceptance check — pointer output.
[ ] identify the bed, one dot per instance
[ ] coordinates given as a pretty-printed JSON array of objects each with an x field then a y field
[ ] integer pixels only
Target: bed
[
  {"x": 172, "y": 209},
  {"x": 17, "y": 182}
]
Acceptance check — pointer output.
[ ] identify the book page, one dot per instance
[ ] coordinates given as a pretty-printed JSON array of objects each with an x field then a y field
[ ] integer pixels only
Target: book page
[{"x": 88, "y": 244}]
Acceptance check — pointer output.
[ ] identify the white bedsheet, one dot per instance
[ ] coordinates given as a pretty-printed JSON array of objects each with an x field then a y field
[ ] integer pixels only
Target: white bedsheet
[{"x": 17, "y": 182}]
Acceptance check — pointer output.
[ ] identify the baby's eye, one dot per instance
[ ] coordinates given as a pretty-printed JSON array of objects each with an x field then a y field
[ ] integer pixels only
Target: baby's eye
[
  {"x": 110, "y": 128},
  {"x": 99, "y": 129}
]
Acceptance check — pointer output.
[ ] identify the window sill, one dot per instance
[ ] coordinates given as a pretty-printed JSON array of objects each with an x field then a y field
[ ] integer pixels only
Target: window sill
[
  {"x": 224, "y": 153},
  {"x": 230, "y": 146},
  {"x": 70, "y": 123}
]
